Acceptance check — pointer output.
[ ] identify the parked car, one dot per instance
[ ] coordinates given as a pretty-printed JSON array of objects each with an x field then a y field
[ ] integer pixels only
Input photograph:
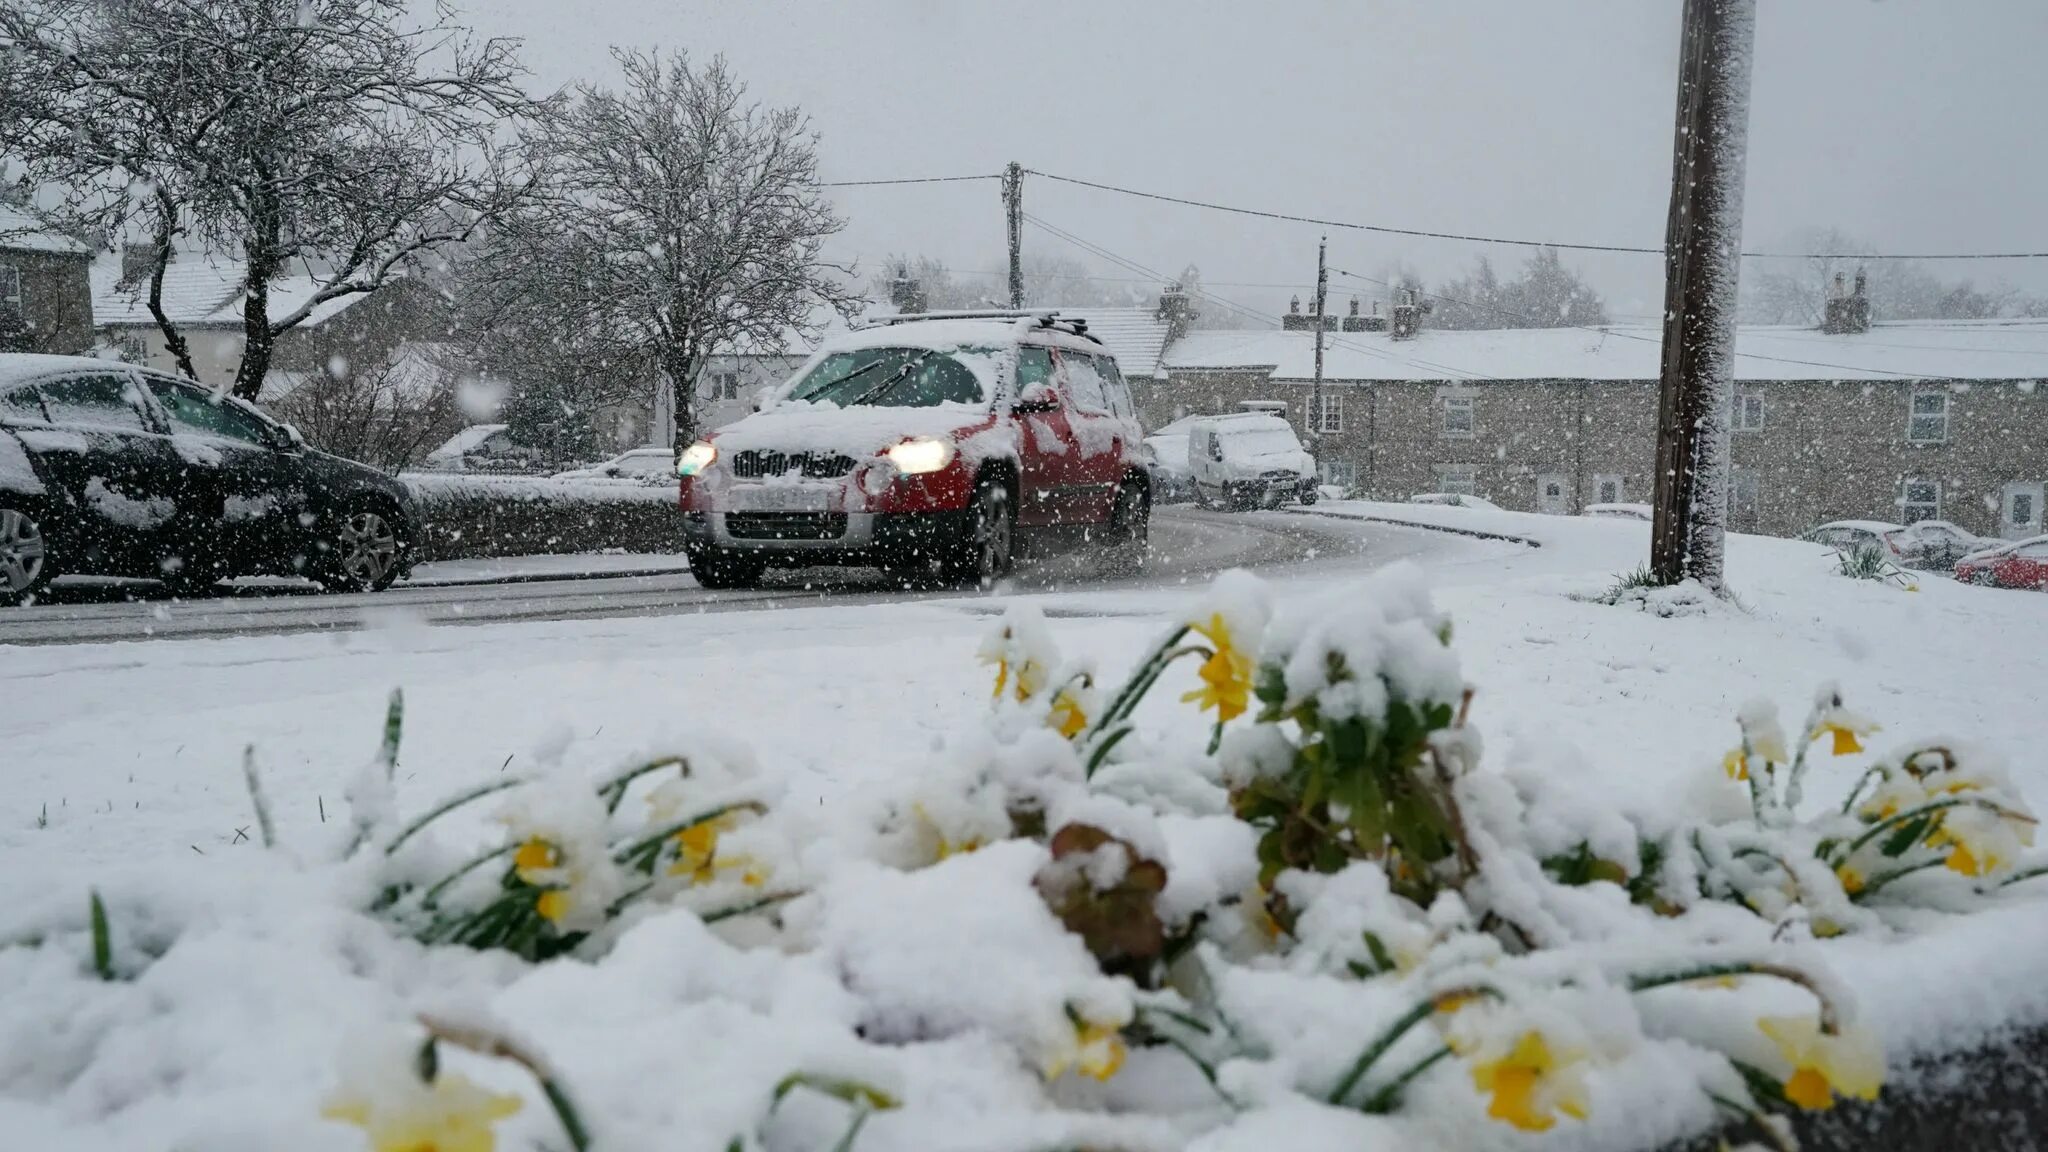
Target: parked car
[
  {"x": 1619, "y": 511},
  {"x": 485, "y": 448},
  {"x": 1936, "y": 545},
  {"x": 1249, "y": 460},
  {"x": 925, "y": 444},
  {"x": 647, "y": 465},
  {"x": 1172, "y": 482},
  {"x": 1857, "y": 535},
  {"x": 110, "y": 470},
  {"x": 1455, "y": 500},
  {"x": 2020, "y": 564}
]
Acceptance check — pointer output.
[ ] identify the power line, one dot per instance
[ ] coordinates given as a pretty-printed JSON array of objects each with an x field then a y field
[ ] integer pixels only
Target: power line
[
  {"x": 906, "y": 180},
  {"x": 1516, "y": 241}
]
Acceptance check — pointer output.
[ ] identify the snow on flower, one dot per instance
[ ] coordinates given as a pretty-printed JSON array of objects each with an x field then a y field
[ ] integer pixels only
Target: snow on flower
[
  {"x": 560, "y": 827},
  {"x": 383, "y": 1094},
  {"x": 1824, "y": 1066}
]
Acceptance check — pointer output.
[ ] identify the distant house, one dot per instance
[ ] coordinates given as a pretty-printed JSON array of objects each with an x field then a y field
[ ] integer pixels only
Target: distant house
[
  {"x": 45, "y": 294},
  {"x": 203, "y": 297},
  {"x": 481, "y": 448}
]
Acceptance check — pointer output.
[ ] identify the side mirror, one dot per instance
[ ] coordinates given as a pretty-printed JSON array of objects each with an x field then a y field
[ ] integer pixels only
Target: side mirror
[
  {"x": 286, "y": 438},
  {"x": 1038, "y": 398}
]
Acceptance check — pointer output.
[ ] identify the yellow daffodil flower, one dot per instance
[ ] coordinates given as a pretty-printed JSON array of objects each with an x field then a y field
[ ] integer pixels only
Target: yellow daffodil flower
[
  {"x": 1025, "y": 677},
  {"x": 449, "y": 1115},
  {"x": 946, "y": 847},
  {"x": 1846, "y": 731},
  {"x": 1066, "y": 717},
  {"x": 554, "y": 905},
  {"x": 1980, "y": 842},
  {"x": 1098, "y": 1053},
  {"x": 1226, "y": 675},
  {"x": 1852, "y": 879},
  {"x": 536, "y": 855},
  {"x": 1530, "y": 1083},
  {"x": 1735, "y": 764},
  {"x": 1824, "y": 1066},
  {"x": 697, "y": 853}
]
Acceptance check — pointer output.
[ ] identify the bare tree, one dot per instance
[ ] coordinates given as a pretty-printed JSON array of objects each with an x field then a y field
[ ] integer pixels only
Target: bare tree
[
  {"x": 389, "y": 412},
  {"x": 336, "y": 137},
  {"x": 680, "y": 217}
]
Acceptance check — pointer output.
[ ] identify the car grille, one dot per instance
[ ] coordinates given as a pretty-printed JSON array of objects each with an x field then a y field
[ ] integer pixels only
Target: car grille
[
  {"x": 785, "y": 525},
  {"x": 757, "y": 463}
]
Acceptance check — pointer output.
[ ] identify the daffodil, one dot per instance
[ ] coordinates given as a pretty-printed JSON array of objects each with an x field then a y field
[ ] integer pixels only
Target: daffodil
[
  {"x": 448, "y": 1115},
  {"x": 1852, "y": 879},
  {"x": 535, "y": 857},
  {"x": 946, "y": 845},
  {"x": 1981, "y": 842},
  {"x": 1226, "y": 675},
  {"x": 1846, "y": 728},
  {"x": 1530, "y": 1083},
  {"x": 1022, "y": 653},
  {"x": 1825, "y": 1066},
  {"x": 1067, "y": 716},
  {"x": 1761, "y": 733},
  {"x": 554, "y": 905},
  {"x": 1735, "y": 764},
  {"x": 1098, "y": 1052}
]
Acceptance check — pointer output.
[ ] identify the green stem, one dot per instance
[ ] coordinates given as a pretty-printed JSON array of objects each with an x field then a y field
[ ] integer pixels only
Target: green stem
[
  {"x": 1829, "y": 1021},
  {"x": 1856, "y": 793},
  {"x": 1101, "y": 752},
  {"x": 1132, "y": 691},
  {"x": 860, "y": 1117},
  {"x": 2029, "y": 874},
  {"x": 1392, "y": 1036},
  {"x": 748, "y": 908},
  {"x": 1883, "y": 878},
  {"x": 614, "y": 789},
  {"x": 1911, "y": 814},
  {"x": 1383, "y": 1101},
  {"x": 102, "y": 942},
  {"x": 394, "y": 729},
  {"x": 427, "y": 901},
  {"x": 638, "y": 848},
  {"x": 450, "y": 805}
]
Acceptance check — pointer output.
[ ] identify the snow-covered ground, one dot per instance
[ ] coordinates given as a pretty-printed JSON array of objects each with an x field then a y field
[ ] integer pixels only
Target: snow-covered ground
[{"x": 121, "y": 767}]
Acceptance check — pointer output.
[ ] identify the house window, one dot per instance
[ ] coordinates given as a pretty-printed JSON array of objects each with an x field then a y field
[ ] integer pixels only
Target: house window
[
  {"x": 1745, "y": 502},
  {"x": 1607, "y": 489},
  {"x": 1333, "y": 414},
  {"x": 725, "y": 386},
  {"x": 1749, "y": 413},
  {"x": 1339, "y": 473},
  {"x": 1457, "y": 479},
  {"x": 10, "y": 285},
  {"x": 1458, "y": 416},
  {"x": 1928, "y": 422},
  {"x": 1919, "y": 500}
]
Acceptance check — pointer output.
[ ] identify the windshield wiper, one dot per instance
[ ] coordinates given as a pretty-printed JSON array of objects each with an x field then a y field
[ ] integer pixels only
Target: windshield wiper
[
  {"x": 863, "y": 370},
  {"x": 882, "y": 389}
]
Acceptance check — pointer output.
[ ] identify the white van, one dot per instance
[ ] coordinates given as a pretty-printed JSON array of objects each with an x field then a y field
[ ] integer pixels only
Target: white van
[{"x": 1249, "y": 460}]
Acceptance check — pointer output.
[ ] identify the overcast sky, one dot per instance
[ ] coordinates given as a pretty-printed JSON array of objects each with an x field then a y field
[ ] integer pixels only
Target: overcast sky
[{"x": 1915, "y": 124}]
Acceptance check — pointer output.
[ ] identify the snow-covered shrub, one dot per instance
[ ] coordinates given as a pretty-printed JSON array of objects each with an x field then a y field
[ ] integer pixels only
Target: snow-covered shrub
[{"x": 1868, "y": 562}]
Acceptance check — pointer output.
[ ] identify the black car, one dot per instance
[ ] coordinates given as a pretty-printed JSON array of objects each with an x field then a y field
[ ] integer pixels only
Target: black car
[{"x": 111, "y": 470}]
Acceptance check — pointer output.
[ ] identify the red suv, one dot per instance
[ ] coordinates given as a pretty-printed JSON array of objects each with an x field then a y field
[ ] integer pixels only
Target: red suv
[{"x": 925, "y": 444}]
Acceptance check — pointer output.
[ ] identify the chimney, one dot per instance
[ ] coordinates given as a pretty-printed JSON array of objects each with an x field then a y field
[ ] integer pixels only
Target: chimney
[
  {"x": 1176, "y": 309},
  {"x": 138, "y": 261},
  {"x": 906, "y": 293},
  {"x": 1846, "y": 312},
  {"x": 1353, "y": 322},
  {"x": 1408, "y": 315},
  {"x": 1294, "y": 321}
]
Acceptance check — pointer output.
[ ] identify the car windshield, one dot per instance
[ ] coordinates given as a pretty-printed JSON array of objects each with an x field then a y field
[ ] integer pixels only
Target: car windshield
[
  {"x": 890, "y": 377},
  {"x": 1260, "y": 441}
]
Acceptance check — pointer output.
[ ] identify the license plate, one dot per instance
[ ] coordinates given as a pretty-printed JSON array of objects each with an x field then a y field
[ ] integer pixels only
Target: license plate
[{"x": 782, "y": 498}]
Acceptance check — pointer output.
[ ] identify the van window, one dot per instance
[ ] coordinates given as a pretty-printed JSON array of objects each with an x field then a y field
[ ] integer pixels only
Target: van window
[{"x": 1084, "y": 384}]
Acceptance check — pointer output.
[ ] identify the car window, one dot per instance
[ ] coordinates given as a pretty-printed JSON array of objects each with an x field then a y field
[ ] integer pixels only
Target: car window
[
  {"x": 196, "y": 410},
  {"x": 1034, "y": 366},
  {"x": 21, "y": 404},
  {"x": 2033, "y": 551},
  {"x": 645, "y": 463},
  {"x": 889, "y": 377},
  {"x": 1084, "y": 384},
  {"x": 105, "y": 399},
  {"x": 1113, "y": 385}
]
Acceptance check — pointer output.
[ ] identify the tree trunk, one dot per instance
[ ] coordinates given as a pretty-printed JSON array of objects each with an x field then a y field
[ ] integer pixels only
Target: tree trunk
[
  {"x": 166, "y": 229},
  {"x": 680, "y": 365},
  {"x": 258, "y": 341}
]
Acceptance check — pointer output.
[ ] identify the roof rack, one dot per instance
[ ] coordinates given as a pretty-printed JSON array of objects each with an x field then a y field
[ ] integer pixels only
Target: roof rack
[{"x": 1046, "y": 317}]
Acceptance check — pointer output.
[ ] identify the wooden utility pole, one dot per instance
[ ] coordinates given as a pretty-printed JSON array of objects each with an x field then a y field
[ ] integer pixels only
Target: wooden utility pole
[
  {"x": 1702, "y": 239},
  {"x": 1315, "y": 404},
  {"x": 1013, "y": 207}
]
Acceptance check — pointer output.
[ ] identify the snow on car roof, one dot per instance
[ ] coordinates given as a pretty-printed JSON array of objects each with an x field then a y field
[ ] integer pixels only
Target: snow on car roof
[
  {"x": 466, "y": 441},
  {"x": 946, "y": 334},
  {"x": 1878, "y": 526},
  {"x": 21, "y": 367}
]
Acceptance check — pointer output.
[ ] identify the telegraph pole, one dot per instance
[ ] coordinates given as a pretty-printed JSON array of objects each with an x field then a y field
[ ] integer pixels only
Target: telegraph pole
[
  {"x": 1315, "y": 404},
  {"x": 1702, "y": 237},
  {"x": 1013, "y": 207}
]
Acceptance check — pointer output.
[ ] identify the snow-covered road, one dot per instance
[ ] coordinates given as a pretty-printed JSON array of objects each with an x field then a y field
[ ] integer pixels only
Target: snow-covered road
[{"x": 1185, "y": 543}]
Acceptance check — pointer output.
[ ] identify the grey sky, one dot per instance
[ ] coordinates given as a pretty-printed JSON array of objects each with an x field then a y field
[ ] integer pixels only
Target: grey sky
[{"x": 1912, "y": 123}]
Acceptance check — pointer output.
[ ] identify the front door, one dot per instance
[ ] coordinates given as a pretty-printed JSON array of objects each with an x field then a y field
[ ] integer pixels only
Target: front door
[
  {"x": 116, "y": 467},
  {"x": 242, "y": 508},
  {"x": 1551, "y": 498},
  {"x": 1098, "y": 437},
  {"x": 1049, "y": 455},
  {"x": 2020, "y": 512}
]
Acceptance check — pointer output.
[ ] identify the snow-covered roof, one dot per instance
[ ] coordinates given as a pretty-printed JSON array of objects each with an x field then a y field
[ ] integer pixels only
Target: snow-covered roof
[
  {"x": 200, "y": 291},
  {"x": 16, "y": 367},
  {"x": 466, "y": 441},
  {"x": 1135, "y": 336},
  {"x": 1921, "y": 349},
  {"x": 21, "y": 232},
  {"x": 414, "y": 370}
]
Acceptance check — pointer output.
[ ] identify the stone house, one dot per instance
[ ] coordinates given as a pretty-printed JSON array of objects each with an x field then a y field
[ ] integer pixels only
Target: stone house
[
  {"x": 1905, "y": 421},
  {"x": 45, "y": 296}
]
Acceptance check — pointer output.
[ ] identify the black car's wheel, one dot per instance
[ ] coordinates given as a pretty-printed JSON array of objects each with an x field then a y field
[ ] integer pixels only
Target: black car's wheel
[
  {"x": 26, "y": 566},
  {"x": 365, "y": 551},
  {"x": 985, "y": 556},
  {"x": 725, "y": 570},
  {"x": 1130, "y": 529}
]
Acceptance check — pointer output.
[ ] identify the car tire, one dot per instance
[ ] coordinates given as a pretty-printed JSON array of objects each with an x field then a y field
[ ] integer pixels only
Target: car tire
[
  {"x": 1310, "y": 496},
  {"x": 1130, "y": 528},
  {"x": 365, "y": 550},
  {"x": 719, "y": 571},
  {"x": 985, "y": 555},
  {"x": 26, "y": 563}
]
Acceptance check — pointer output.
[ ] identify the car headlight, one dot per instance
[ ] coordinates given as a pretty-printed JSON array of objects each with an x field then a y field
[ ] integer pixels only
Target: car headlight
[
  {"x": 696, "y": 458},
  {"x": 914, "y": 457}
]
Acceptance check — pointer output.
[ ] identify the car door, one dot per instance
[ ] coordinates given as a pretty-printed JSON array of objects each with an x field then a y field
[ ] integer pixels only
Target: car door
[
  {"x": 1098, "y": 434},
  {"x": 1047, "y": 455},
  {"x": 242, "y": 508},
  {"x": 114, "y": 465},
  {"x": 2025, "y": 567}
]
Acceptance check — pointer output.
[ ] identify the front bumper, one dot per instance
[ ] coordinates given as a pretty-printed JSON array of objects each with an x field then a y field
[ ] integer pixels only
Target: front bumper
[{"x": 801, "y": 539}]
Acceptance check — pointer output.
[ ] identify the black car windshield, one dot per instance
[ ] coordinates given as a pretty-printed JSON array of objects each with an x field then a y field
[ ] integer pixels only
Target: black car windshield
[{"x": 889, "y": 377}]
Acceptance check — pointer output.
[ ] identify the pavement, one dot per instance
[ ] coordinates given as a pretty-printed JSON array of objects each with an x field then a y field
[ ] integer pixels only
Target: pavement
[{"x": 1187, "y": 544}]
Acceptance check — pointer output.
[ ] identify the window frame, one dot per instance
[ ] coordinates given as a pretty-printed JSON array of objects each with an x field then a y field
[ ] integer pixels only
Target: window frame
[
  {"x": 137, "y": 404},
  {"x": 1331, "y": 418},
  {"x": 1907, "y": 503},
  {"x": 1740, "y": 419},
  {"x": 1100, "y": 403},
  {"x": 10, "y": 271},
  {"x": 1601, "y": 479},
  {"x": 1338, "y": 473},
  {"x": 40, "y": 416},
  {"x": 1467, "y": 404},
  {"x": 1469, "y": 480},
  {"x": 1914, "y": 415}
]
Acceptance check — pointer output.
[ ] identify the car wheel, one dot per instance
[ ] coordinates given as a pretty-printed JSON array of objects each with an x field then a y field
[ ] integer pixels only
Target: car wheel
[
  {"x": 26, "y": 567},
  {"x": 364, "y": 552},
  {"x": 1130, "y": 526},
  {"x": 984, "y": 557},
  {"x": 723, "y": 570}
]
